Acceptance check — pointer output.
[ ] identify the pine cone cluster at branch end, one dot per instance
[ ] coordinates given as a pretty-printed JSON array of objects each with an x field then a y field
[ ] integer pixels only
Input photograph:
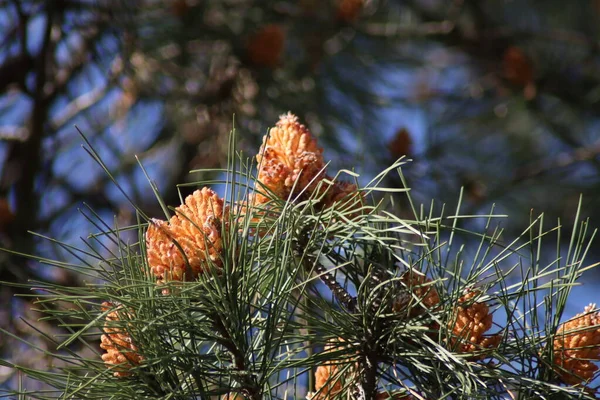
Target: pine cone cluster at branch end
[
  {"x": 576, "y": 347},
  {"x": 329, "y": 379},
  {"x": 190, "y": 242},
  {"x": 121, "y": 353},
  {"x": 421, "y": 295},
  {"x": 332, "y": 377},
  {"x": 327, "y": 383},
  {"x": 289, "y": 153},
  {"x": 471, "y": 320},
  {"x": 291, "y": 165}
]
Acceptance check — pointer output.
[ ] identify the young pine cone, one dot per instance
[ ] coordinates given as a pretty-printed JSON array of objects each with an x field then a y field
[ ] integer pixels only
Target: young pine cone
[
  {"x": 289, "y": 153},
  {"x": 290, "y": 163},
  {"x": 121, "y": 353},
  {"x": 421, "y": 295},
  {"x": 184, "y": 247},
  {"x": 327, "y": 382},
  {"x": 266, "y": 46},
  {"x": 471, "y": 320},
  {"x": 332, "y": 377},
  {"x": 576, "y": 345}
]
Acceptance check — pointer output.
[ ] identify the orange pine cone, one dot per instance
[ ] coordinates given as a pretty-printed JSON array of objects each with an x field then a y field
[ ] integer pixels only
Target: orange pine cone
[
  {"x": 179, "y": 8},
  {"x": 327, "y": 382},
  {"x": 401, "y": 144},
  {"x": 265, "y": 47},
  {"x": 190, "y": 242},
  {"x": 423, "y": 295},
  {"x": 6, "y": 215},
  {"x": 472, "y": 320},
  {"x": 289, "y": 153},
  {"x": 120, "y": 350},
  {"x": 290, "y": 163},
  {"x": 576, "y": 345},
  {"x": 518, "y": 70},
  {"x": 517, "y": 67},
  {"x": 348, "y": 10}
]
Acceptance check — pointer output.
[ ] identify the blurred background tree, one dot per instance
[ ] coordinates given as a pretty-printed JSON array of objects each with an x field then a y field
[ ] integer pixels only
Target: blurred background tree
[{"x": 499, "y": 97}]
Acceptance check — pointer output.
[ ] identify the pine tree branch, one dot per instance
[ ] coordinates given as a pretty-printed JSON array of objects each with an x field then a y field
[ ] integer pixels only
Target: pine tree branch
[
  {"x": 27, "y": 153},
  {"x": 341, "y": 294},
  {"x": 14, "y": 70},
  {"x": 367, "y": 389},
  {"x": 311, "y": 263},
  {"x": 78, "y": 105},
  {"x": 249, "y": 387}
]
